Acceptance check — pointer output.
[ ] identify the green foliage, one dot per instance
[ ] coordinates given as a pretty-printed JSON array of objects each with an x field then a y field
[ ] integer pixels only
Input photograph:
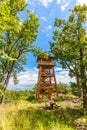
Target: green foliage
[
  {"x": 69, "y": 45},
  {"x": 15, "y": 80},
  {"x": 12, "y": 95},
  {"x": 64, "y": 88},
  {"x": 34, "y": 89},
  {"x": 74, "y": 88},
  {"x": 31, "y": 98},
  {"x": 1, "y": 94},
  {"x": 5, "y": 56},
  {"x": 1, "y": 91},
  {"x": 16, "y": 38}
]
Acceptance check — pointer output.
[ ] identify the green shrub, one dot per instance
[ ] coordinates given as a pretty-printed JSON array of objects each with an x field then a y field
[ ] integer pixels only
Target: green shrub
[
  {"x": 13, "y": 95},
  {"x": 64, "y": 88},
  {"x": 74, "y": 88}
]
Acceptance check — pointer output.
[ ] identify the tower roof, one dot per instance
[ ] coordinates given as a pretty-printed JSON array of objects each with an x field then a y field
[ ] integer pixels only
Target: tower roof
[
  {"x": 50, "y": 58},
  {"x": 46, "y": 63}
]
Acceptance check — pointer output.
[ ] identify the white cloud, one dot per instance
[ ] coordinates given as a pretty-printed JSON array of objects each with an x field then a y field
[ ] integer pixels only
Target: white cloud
[
  {"x": 26, "y": 79},
  {"x": 30, "y": 2},
  {"x": 60, "y": 69},
  {"x": 63, "y": 4},
  {"x": 49, "y": 27},
  {"x": 47, "y": 30},
  {"x": 61, "y": 1},
  {"x": 45, "y": 3},
  {"x": 81, "y": 2},
  {"x": 43, "y": 18},
  {"x": 63, "y": 7},
  {"x": 62, "y": 76},
  {"x": 64, "y": 79},
  {"x": 29, "y": 78}
]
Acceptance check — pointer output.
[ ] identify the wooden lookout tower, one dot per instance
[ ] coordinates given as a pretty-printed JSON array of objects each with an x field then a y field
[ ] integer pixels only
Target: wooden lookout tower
[{"x": 46, "y": 78}]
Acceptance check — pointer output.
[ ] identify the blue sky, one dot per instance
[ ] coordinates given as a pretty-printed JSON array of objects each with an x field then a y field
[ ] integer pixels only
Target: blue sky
[{"x": 46, "y": 11}]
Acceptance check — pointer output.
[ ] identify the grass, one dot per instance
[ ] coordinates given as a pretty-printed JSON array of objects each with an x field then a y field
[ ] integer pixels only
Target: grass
[{"x": 29, "y": 115}]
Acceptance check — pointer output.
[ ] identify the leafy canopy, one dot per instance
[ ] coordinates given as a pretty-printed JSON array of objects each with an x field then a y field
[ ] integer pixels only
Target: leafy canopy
[
  {"x": 69, "y": 37},
  {"x": 16, "y": 37}
]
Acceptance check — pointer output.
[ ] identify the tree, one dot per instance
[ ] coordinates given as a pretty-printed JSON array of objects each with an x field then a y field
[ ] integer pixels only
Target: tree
[
  {"x": 69, "y": 45},
  {"x": 16, "y": 38}
]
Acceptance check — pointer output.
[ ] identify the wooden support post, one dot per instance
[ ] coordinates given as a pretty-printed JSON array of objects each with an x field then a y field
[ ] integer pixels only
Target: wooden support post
[{"x": 55, "y": 83}]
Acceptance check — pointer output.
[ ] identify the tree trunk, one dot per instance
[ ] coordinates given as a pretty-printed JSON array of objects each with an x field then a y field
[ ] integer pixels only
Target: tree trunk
[
  {"x": 8, "y": 75},
  {"x": 5, "y": 87},
  {"x": 78, "y": 84},
  {"x": 84, "y": 86},
  {"x": 80, "y": 93},
  {"x": 83, "y": 79},
  {"x": 7, "y": 81},
  {"x": 84, "y": 95},
  {"x": 2, "y": 99}
]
